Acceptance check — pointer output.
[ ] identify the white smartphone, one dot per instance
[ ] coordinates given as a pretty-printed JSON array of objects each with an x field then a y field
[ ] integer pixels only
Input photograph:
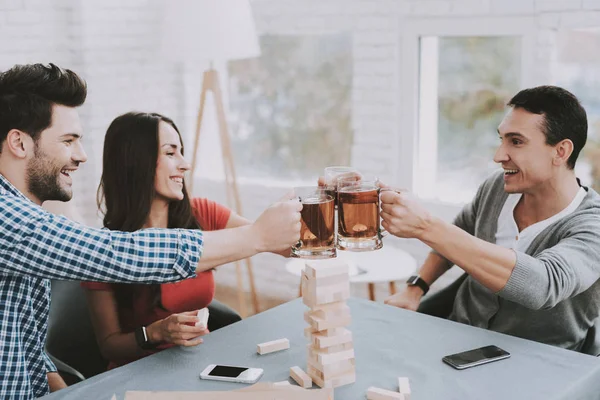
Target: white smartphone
[
  {"x": 472, "y": 358},
  {"x": 230, "y": 373}
]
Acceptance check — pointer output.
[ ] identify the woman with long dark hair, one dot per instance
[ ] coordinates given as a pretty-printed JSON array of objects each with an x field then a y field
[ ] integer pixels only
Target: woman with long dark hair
[{"x": 142, "y": 186}]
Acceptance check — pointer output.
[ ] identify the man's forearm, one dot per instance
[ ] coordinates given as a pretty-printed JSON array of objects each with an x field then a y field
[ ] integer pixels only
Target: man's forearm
[
  {"x": 489, "y": 264},
  {"x": 433, "y": 267},
  {"x": 227, "y": 245},
  {"x": 55, "y": 381}
]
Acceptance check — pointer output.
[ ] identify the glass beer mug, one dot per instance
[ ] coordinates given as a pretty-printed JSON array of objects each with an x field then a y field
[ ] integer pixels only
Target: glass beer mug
[
  {"x": 317, "y": 224},
  {"x": 359, "y": 221}
]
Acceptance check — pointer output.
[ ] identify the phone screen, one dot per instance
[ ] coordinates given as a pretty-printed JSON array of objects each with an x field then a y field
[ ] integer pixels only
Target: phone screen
[
  {"x": 476, "y": 356},
  {"x": 227, "y": 371}
]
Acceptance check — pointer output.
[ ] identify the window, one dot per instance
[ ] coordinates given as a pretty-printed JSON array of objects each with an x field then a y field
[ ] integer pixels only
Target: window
[
  {"x": 465, "y": 83},
  {"x": 290, "y": 108},
  {"x": 455, "y": 80},
  {"x": 577, "y": 69}
]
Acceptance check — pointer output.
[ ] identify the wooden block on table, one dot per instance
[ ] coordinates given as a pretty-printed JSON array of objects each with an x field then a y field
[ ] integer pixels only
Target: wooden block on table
[
  {"x": 329, "y": 280},
  {"x": 333, "y": 369},
  {"x": 324, "y": 291},
  {"x": 404, "y": 387},
  {"x": 322, "y": 269},
  {"x": 374, "y": 393},
  {"x": 310, "y": 332},
  {"x": 300, "y": 377},
  {"x": 348, "y": 368},
  {"x": 335, "y": 382},
  {"x": 322, "y": 340},
  {"x": 324, "y": 295},
  {"x": 331, "y": 310},
  {"x": 272, "y": 346},
  {"x": 338, "y": 348},
  {"x": 329, "y": 358},
  {"x": 321, "y": 324},
  {"x": 203, "y": 316}
]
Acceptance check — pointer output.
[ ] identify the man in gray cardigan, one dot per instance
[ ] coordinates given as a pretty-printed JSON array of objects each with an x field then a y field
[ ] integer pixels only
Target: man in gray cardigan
[{"x": 530, "y": 239}]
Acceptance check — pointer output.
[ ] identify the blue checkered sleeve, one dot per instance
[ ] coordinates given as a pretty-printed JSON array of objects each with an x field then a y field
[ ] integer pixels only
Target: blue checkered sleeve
[
  {"x": 50, "y": 367},
  {"x": 36, "y": 243}
]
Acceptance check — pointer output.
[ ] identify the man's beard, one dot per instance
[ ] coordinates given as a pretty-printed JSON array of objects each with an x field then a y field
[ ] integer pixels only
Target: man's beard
[{"x": 43, "y": 178}]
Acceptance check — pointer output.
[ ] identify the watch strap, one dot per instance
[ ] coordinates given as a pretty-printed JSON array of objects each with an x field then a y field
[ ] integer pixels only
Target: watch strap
[{"x": 416, "y": 280}]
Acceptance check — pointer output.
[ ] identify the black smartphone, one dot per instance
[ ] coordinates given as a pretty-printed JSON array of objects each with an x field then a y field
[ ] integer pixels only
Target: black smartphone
[{"x": 472, "y": 358}]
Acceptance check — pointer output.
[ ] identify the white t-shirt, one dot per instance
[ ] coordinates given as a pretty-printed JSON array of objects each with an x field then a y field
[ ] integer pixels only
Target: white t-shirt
[{"x": 508, "y": 234}]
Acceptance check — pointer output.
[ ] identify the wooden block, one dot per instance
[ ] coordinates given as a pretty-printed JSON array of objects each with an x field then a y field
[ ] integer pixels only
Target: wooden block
[
  {"x": 348, "y": 368},
  {"x": 321, "y": 324},
  {"x": 325, "y": 291},
  {"x": 331, "y": 309},
  {"x": 404, "y": 387},
  {"x": 308, "y": 298},
  {"x": 332, "y": 369},
  {"x": 329, "y": 358},
  {"x": 282, "y": 383},
  {"x": 374, "y": 393},
  {"x": 322, "y": 269},
  {"x": 203, "y": 316},
  {"x": 334, "y": 349},
  {"x": 312, "y": 300},
  {"x": 275, "y": 345},
  {"x": 300, "y": 377},
  {"x": 321, "y": 340},
  {"x": 335, "y": 382},
  {"x": 330, "y": 280},
  {"x": 309, "y": 331}
]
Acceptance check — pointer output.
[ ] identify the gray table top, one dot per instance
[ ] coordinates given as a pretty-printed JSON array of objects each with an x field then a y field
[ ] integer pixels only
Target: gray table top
[{"x": 389, "y": 342}]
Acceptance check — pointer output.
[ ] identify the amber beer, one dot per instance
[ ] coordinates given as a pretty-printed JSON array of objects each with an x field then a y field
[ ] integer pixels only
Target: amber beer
[
  {"x": 358, "y": 213},
  {"x": 317, "y": 225},
  {"x": 358, "y": 216},
  {"x": 332, "y": 174}
]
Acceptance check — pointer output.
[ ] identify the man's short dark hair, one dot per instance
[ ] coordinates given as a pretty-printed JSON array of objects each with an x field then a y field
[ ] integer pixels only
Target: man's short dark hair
[
  {"x": 564, "y": 117},
  {"x": 28, "y": 92}
]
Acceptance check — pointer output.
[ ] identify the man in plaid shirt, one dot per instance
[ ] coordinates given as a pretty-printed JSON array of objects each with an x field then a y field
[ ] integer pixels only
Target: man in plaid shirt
[{"x": 40, "y": 146}]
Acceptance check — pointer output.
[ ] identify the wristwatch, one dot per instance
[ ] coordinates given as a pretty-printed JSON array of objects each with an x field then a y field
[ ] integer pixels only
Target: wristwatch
[
  {"x": 142, "y": 339},
  {"x": 416, "y": 280}
]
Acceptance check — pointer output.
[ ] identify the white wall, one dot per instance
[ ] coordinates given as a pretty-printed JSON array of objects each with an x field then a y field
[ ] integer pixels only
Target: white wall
[{"x": 112, "y": 44}]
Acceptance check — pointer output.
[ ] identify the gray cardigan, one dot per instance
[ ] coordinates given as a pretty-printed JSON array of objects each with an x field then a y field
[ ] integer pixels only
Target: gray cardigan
[{"x": 553, "y": 294}]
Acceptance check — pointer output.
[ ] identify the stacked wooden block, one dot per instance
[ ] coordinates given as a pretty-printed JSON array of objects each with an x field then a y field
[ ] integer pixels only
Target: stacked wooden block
[{"x": 325, "y": 289}]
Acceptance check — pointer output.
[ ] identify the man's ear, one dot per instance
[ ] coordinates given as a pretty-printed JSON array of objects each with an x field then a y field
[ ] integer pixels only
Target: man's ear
[
  {"x": 564, "y": 149},
  {"x": 18, "y": 143}
]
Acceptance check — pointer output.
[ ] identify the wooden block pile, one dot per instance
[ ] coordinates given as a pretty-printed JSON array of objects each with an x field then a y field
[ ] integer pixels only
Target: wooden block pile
[
  {"x": 403, "y": 393},
  {"x": 325, "y": 289}
]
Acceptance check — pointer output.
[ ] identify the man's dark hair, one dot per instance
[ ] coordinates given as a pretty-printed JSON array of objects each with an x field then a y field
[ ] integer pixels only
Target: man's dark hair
[
  {"x": 564, "y": 117},
  {"x": 28, "y": 92}
]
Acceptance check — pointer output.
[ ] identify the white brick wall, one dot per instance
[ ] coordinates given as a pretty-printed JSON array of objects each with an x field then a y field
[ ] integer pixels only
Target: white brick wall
[{"x": 112, "y": 43}]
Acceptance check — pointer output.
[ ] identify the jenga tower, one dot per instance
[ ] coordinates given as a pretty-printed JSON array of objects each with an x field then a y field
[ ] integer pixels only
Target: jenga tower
[{"x": 325, "y": 289}]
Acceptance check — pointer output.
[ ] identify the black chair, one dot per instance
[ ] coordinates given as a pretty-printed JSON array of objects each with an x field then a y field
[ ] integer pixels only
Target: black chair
[
  {"x": 71, "y": 341},
  {"x": 440, "y": 304},
  {"x": 221, "y": 315}
]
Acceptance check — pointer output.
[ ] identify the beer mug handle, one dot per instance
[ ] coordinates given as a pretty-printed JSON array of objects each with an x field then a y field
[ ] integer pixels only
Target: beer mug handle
[{"x": 382, "y": 231}]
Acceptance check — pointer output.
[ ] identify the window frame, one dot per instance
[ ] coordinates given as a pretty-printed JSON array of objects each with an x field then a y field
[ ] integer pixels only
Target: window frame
[{"x": 408, "y": 171}]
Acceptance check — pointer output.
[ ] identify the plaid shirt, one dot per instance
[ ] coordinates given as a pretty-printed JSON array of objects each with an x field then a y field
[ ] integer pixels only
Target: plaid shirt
[{"x": 36, "y": 246}]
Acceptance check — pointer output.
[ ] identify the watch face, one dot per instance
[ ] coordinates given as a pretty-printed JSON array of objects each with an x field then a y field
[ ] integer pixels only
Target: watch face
[{"x": 412, "y": 280}]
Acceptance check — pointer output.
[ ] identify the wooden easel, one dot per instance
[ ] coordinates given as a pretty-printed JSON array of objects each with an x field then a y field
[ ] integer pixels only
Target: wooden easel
[{"x": 210, "y": 82}]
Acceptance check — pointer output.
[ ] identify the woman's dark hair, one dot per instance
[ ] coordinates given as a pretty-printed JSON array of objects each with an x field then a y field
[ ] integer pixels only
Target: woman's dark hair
[{"x": 126, "y": 188}]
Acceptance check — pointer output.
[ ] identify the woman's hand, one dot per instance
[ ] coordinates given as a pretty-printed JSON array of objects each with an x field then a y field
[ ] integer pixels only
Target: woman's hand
[{"x": 177, "y": 329}]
